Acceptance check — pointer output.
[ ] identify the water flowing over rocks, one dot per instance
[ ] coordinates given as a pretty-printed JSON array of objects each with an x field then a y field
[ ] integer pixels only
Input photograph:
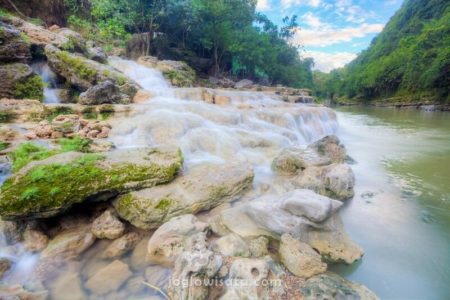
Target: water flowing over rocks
[
  {"x": 177, "y": 72},
  {"x": 200, "y": 188},
  {"x": 24, "y": 197}
]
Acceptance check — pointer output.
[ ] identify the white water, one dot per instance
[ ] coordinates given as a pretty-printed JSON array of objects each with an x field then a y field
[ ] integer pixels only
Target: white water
[
  {"x": 252, "y": 128},
  {"x": 49, "y": 78}
]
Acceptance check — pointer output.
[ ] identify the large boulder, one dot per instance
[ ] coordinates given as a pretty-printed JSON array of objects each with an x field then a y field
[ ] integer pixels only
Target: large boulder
[
  {"x": 332, "y": 286},
  {"x": 49, "y": 187},
  {"x": 20, "y": 82},
  {"x": 75, "y": 41},
  {"x": 200, "y": 188},
  {"x": 243, "y": 84},
  {"x": 300, "y": 258},
  {"x": 96, "y": 53},
  {"x": 177, "y": 72},
  {"x": 171, "y": 239},
  {"x": 84, "y": 73},
  {"x": 13, "y": 47},
  {"x": 106, "y": 92},
  {"x": 305, "y": 215}
]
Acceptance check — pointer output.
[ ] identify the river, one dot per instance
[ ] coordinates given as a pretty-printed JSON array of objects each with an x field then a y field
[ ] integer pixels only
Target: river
[{"x": 401, "y": 211}]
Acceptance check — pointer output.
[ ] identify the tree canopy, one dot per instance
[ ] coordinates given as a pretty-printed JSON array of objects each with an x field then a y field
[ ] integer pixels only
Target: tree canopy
[{"x": 229, "y": 34}]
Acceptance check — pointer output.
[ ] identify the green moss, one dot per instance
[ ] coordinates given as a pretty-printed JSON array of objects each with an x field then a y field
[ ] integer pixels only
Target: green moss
[
  {"x": 7, "y": 116},
  {"x": 106, "y": 111},
  {"x": 32, "y": 88},
  {"x": 89, "y": 113},
  {"x": 163, "y": 204},
  {"x": 28, "y": 152},
  {"x": 69, "y": 45},
  {"x": 3, "y": 145},
  {"x": 76, "y": 143},
  {"x": 53, "y": 112},
  {"x": 87, "y": 176},
  {"x": 78, "y": 65},
  {"x": 26, "y": 38}
]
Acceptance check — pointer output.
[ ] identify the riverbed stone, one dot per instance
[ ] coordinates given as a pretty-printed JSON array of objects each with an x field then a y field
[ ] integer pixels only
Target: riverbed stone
[
  {"x": 34, "y": 240},
  {"x": 109, "y": 278},
  {"x": 5, "y": 266},
  {"x": 121, "y": 246},
  {"x": 300, "y": 258},
  {"x": 69, "y": 243},
  {"x": 200, "y": 188},
  {"x": 108, "y": 226},
  {"x": 12, "y": 231},
  {"x": 172, "y": 238},
  {"x": 75, "y": 177},
  {"x": 232, "y": 245},
  {"x": 332, "y": 286},
  {"x": 68, "y": 286}
]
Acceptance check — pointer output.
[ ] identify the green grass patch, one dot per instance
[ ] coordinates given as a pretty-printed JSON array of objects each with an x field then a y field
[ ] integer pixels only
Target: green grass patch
[
  {"x": 77, "y": 144},
  {"x": 28, "y": 152},
  {"x": 32, "y": 88}
]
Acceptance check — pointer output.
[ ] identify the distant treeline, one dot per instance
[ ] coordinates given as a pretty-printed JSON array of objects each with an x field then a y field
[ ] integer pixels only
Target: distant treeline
[
  {"x": 229, "y": 34},
  {"x": 410, "y": 59}
]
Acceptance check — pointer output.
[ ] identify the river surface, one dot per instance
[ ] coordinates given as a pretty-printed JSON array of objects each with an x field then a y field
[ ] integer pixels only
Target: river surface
[{"x": 401, "y": 211}]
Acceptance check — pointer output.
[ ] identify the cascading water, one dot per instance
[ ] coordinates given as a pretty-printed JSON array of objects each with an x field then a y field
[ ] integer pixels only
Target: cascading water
[
  {"x": 252, "y": 127},
  {"x": 50, "y": 80}
]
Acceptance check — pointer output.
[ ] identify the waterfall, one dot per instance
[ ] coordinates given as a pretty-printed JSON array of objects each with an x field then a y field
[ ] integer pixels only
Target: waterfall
[
  {"x": 250, "y": 126},
  {"x": 49, "y": 78}
]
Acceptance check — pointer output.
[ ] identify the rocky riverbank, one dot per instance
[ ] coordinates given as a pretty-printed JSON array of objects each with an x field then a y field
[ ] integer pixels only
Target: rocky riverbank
[{"x": 228, "y": 194}]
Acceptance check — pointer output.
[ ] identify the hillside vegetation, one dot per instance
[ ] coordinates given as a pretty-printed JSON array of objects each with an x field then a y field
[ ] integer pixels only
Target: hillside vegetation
[{"x": 408, "y": 61}]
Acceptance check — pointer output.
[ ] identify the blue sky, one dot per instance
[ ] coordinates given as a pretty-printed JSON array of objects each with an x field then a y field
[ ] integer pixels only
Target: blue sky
[{"x": 332, "y": 32}]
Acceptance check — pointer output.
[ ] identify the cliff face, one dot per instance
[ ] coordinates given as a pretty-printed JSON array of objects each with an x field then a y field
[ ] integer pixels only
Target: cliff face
[{"x": 50, "y": 11}]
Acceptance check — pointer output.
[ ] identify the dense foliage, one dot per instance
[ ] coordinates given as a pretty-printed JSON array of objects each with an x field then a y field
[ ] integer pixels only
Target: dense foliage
[
  {"x": 216, "y": 36},
  {"x": 410, "y": 59}
]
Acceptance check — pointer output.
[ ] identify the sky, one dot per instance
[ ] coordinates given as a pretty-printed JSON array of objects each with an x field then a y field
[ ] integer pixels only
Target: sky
[{"x": 332, "y": 32}]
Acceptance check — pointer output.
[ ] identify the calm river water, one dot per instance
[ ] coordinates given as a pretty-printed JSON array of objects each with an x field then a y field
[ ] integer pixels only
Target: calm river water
[{"x": 401, "y": 212}]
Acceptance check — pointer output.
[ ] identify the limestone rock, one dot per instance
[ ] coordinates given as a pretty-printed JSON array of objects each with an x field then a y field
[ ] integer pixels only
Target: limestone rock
[
  {"x": 5, "y": 265},
  {"x": 18, "y": 292},
  {"x": 193, "y": 268},
  {"x": 250, "y": 272},
  {"x": 34, "y": 240},
  {"x": 294, "y": 160},
  {"x": 259, "y": 247},
  {"x": 335, "y": 181},
  {"x": 85, "y": 73},
  {"x": 19, "y": 81},
  {"x": 96, "y": 53},
  {"x": 172, "y": 238},
  {"x": 331, "y": 147},
  {"x": 232, "y": 245},
  {"x": 68, "y": 287},
  {"x": 106, "y": 92},
  {"x": 108, "y": 226},
  {"x": 243, "y": 84},
  {"x": 13, "y": 48},
  {"x": 307, "y": 216},
  {"x": 69, "y": 244},
  {"x": 200, "y": 188},
  {"x": 12, "y": 231},
  {"x": 75, "y": 41},
  {"x": 300, "y": 258},
  {"x": 103, "y": 176},
  {"x": 121, "y": 246},
  {"x": 332, "y": 286},
  {"x": 109, "y": 278}
]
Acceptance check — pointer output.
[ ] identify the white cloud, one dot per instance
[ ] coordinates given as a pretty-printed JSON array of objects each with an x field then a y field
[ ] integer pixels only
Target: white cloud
[
  {"x": 289, "y": 3},
  {"x": 263, "y": 5},
  {"x": 315, "y": 3},
  {"x": 311, "y": 20},
  {"x": 326, "y": 62},
  {"x": 326, "y": 35}
]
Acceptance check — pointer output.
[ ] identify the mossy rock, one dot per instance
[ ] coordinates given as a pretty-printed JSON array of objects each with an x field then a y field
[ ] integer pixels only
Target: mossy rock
[
  {"x": 202, "y": 188},
  {"x": 49, "y": 187},
  {"x": 20, "y": 82},
  {"x": 84, "y": 73}
]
